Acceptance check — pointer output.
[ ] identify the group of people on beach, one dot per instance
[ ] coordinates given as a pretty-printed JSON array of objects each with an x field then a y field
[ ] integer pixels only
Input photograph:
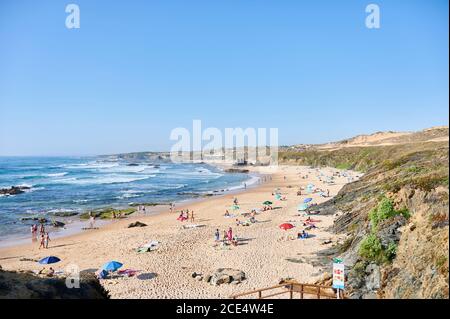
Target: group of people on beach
[
  {"x": 186, "y": 215},
  {"x": 44, "y": 236},
  {"x": 227, "y": 237}
]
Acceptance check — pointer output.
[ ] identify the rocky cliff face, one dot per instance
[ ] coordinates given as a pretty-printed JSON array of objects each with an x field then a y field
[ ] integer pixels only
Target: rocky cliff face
[
  {"x": 395, "y": 218},
  {"x": 420, "y": 269}
]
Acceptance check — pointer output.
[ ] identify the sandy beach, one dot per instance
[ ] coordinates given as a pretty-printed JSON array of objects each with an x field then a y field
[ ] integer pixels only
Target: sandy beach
[{"x": 166, "y": 272}]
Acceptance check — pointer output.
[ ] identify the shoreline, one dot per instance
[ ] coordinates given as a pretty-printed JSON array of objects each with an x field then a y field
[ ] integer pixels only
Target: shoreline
[
  {"x": 266, "y": 256},
  {"x": 75, "y": 225}
]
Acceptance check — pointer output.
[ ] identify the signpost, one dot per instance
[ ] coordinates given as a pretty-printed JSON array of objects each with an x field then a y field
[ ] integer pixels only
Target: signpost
[{"x": 338, "y": 275}]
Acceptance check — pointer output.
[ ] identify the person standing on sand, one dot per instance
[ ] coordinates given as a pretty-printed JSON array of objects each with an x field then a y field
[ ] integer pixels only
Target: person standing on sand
[
  {"x": 225, "y": 236},
  {"x": 46, "y": 240},
  {"x": 192, "y": 216},
  {"x": 217, "y": 235},
  {"x": 230, "y": 234},
  {"x": 91, "y": 221},
  {"x": 42, "y": 244}
]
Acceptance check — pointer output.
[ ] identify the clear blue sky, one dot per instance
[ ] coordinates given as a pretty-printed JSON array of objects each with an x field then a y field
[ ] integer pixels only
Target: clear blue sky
[{"x": 137, "y": 69}]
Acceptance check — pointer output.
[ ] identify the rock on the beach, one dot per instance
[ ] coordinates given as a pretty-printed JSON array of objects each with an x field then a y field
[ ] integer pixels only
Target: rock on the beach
[
  {"x": 226, "y": 276},
  {"x": 136, "y": 224}
]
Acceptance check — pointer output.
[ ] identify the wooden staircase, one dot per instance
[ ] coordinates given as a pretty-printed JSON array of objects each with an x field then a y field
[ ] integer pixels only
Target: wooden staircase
[{"x": 292, "y": 290}]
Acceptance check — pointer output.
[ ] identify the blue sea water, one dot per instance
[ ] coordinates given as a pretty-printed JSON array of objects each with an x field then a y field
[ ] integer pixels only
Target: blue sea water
[{"x": 83, "y": 183}]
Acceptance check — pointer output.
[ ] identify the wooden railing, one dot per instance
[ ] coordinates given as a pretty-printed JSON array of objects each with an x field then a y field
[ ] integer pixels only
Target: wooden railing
[{"x": 309, "y": 291}]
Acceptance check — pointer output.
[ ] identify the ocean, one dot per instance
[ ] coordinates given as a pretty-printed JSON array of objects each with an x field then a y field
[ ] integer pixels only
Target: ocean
[{"x": 79, "y": 184}]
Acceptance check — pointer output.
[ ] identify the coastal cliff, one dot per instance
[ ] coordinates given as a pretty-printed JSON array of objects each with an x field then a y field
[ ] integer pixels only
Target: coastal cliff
[{"x": 395, "y": 217}]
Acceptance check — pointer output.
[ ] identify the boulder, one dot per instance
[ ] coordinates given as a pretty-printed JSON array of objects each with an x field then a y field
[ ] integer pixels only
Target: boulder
[
  {"x": 226, "y": 276},
  {"x": 389, "y": 230},
  {"x": 373, "y": 279},
  {"x": 14, "y": 190},
  {"x": 136, "y": 224},
  {"x": 56, "y": 223}
]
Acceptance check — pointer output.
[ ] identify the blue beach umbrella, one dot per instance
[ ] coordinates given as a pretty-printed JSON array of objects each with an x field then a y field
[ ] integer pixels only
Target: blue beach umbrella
[
  {"x": 112, "y": 266},
  {"x": 49, "y": 260},
  {"x": 307, "y": 200}
]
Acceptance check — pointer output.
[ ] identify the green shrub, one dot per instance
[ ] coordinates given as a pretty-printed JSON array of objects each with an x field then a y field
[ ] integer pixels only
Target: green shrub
[
  {"x": 385, "y": 210},
  {"x": 371, "y": 248},
  {"x": 344, "y": 166},
  {"x": 414, "y": 169}
]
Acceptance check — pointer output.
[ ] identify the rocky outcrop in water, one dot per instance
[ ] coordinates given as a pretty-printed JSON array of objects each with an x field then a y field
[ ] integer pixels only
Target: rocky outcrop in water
[
  {"x": 14, "y": 190},
  {"x": 237, "y": 170}
]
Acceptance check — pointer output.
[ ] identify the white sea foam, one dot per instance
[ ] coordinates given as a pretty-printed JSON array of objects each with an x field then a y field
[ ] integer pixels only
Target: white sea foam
[
  {"x": 253, "y": 180},
  {"x": 107, "y": 179},
  {"x": 202, "y": 173},
  {"x": 79, "y": 201},
  {"x": 91, "y": 165},
  {"x": 56, "y": 174}
]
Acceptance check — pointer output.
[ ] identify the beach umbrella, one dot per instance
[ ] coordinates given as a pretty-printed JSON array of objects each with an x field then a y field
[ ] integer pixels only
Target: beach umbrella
[
  {"x": 286, "y": 226},
  {"x": 267, "y": 202},
  {"x": 302, "y": 207},
  {"x": 235, "y": 207},
  {"x": 307, "y": 200},
  {"x": 112, "y": 266},
  {"x": 49, "y": 260}
]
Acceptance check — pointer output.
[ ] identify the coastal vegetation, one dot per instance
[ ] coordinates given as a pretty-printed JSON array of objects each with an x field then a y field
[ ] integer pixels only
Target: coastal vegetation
[{"x": 395, "y": 217}]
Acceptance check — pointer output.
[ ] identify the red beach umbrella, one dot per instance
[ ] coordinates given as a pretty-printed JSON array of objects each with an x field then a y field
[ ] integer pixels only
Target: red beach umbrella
[{"x": 286, "y": 226}]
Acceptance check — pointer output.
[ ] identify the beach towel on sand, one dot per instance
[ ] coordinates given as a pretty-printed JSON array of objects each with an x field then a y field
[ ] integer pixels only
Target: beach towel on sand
[
  {"x": 192, "y": 226},
  {"x": 151, "y": 245},
  {"x": 128, "y": 272}
]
